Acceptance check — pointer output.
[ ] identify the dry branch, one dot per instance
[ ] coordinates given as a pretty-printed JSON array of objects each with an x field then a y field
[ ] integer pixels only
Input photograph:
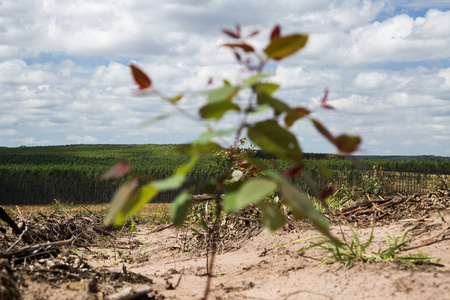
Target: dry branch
[
  {"x": 35, "y": 248},
  {"x": 131, "y": 293},
  {"x": 5, "y": 217}
]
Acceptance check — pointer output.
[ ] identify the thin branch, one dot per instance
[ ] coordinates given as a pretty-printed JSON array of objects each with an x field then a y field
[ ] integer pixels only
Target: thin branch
[
  {"x": 36, "y": 248},
  {"x": 21, "y": 235},
  {"x": 179, "y": 279},
  {"x": 131, "y": 293},
  {"x": 5, "y": 217}
]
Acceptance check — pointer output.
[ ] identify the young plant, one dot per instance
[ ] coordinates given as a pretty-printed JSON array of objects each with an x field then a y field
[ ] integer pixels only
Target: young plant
[
  {"x": 352, "y": 250},
  {"x": 245, "y": 100}
]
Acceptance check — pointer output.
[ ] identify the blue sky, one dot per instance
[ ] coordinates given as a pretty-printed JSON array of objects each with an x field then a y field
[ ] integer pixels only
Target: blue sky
[{"x": 64, "y": 76}]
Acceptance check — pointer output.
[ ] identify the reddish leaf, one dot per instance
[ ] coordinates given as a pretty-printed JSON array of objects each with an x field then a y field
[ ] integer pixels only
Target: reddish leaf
[
  {"x": 327, "y": 192},
  {"x": 230, "y": 33},
  {"x": 293, "y": 171},
  {"x": 253, "y": 33},
  {"x": 117, "y": 171},
  {"x": 140, "y": 77},
  {"x": 243, "y": 46},
  {"x": 283, "y": 46},
  {"x": 289, "y": 119},
  {"x": 254, "y": 170},
  {"x": 346, "y": 143},
  {"x": 323, "y": 130},
  {"x": 243, "y": 164},
  {"x": 276, "y": 31},
  {"x": 323, "y": 102},
  {"x": 210, "y": 81}
]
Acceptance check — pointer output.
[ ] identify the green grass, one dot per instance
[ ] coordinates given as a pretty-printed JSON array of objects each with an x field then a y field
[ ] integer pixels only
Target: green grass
[{"x": 353, "y": 250}]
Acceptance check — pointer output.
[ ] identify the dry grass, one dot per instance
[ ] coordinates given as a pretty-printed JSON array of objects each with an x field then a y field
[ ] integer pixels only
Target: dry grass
[{"x": 151, "y": 210}]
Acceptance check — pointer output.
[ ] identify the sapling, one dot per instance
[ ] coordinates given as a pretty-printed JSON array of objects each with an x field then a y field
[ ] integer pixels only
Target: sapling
[{"x": 272, "y": 134}]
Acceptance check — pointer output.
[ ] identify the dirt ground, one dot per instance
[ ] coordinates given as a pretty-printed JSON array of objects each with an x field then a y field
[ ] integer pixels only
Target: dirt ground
[{"x": 265, "y": 266}]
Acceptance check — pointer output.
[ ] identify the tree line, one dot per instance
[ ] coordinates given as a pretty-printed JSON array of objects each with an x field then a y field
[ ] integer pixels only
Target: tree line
[{"x": 37, "y": 175}]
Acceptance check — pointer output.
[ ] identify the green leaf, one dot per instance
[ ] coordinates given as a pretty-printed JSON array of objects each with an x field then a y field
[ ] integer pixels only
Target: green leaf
[
  {"x": 198, "y": 148},
  {"x": 253, "y": 80},
  {"x": 249, "y": 192},
  {"x": 346, "y": 143},
  {"x": 157, "y": 119},
  {"x": 281, "y": 47},
  {"x": 174, "y": 99},
  {"x": 206, "y": 137},
  {"x": 179, "y": 207},
  {"x": 267, "y": 87},
  {"x": 323, "y": 130},
  {"x": 135, "y": 202},
  {"x": 271, "y": 217},
  {"x": 120, "y": 198},
  {"x": 300, "y": 112},
  {"x": 223, "y": 93},
  {"x": 176, "y": 180},
  {"x": 217, "y": 109},
  {"x": 278, "y": 106},
  {"x": 272, "y": 138},
  {"x": 302, "y": 207}
]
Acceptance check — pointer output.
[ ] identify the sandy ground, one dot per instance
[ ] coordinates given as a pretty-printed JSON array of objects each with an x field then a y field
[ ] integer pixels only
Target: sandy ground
[
  {"x": 262, "y": 270},
  {"x": 266, "y": 266}
]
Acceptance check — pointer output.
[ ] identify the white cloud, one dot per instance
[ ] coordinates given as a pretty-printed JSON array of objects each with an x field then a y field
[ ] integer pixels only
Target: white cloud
[
  {"x": 8, "y": 131},
  {"x": 64, "y": 75},
  {"x": 76, "y": 139}
]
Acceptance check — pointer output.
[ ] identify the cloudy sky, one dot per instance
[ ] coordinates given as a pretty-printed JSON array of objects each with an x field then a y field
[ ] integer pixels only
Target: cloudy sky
[{"x": 64, "y": 76}]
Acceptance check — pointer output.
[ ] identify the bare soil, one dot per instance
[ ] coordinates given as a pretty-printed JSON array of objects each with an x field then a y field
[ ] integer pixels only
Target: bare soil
[{"x": 262, "y": 266}]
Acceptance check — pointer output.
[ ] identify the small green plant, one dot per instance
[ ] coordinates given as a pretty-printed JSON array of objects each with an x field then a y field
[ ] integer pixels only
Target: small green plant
[
  {"x": 343, "y": 196},
  {"x": 132, "y": 228},
  {"x": 352, "y": 250},
  {"x": 375, "y": 182}
]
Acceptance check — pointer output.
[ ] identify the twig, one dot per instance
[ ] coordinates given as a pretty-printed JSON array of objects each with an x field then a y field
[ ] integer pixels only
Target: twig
[
  {"x": 89, "y": 211},
  {"x": 36, "y": 248},
  {"x": 439, "y": 238},
  {"x": 5, "y": 217},
  {"x": 62, "y": 207},
  {"x": 131, "y": 293},
  {"x": 179, "y": 279},
  {"x": 21, "y": 235}
]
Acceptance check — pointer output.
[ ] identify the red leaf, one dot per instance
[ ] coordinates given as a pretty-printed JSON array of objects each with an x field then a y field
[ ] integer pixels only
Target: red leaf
[
  {"x": 243, "y": 46},
  {"x": 253, "y": 33},
  {"x": 230, "y": 33},
  {"x": 254, "y": 170},
  {"x": 323, "y": 102},
  {"x": 210, "y": 81},
  {"x": 140, "y": 77},
  {"x": 276, "y": 31},
  {"x": 327, "y": 192},
  {"x": 289, "y": 119},
  {"x": 117, "y": 171},
  {"x": 243, "y": 164},
  {"x": 293, "y": 171}
]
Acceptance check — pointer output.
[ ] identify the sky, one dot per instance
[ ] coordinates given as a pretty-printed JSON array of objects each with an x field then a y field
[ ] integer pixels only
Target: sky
[{"x": 64, "y": 75}]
